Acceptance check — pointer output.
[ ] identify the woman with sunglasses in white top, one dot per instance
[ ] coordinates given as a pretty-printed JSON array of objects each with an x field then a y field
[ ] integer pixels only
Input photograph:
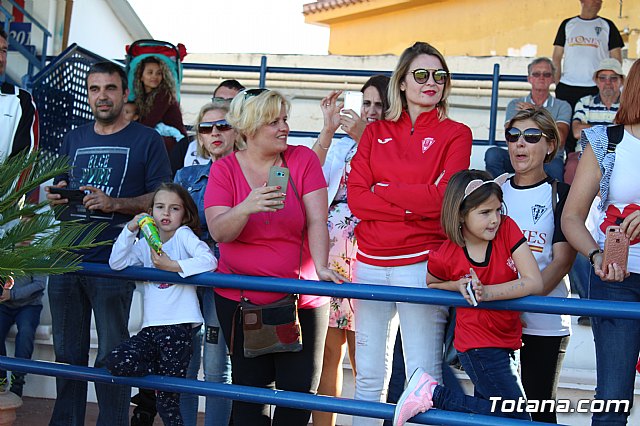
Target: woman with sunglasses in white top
[
  {"x": 396, "y": 186},
  {"x": 532, "y": 138},
  {"x": 216, "y": 139}
]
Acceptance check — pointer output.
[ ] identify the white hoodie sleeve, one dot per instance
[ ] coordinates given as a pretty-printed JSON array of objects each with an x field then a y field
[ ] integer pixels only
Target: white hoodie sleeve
[
  {"x": 126, "y": 251},
  {"x": 200, "y": 257}
]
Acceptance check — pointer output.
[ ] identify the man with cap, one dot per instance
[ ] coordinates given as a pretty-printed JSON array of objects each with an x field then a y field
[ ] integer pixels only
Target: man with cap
[
  {"x": 601, "y": 108},
  {"x": 596, "y": 109}
]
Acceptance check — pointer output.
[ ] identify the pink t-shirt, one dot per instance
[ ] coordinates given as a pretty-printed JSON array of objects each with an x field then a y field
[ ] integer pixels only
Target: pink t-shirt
[{"x": 269, "y": 244}]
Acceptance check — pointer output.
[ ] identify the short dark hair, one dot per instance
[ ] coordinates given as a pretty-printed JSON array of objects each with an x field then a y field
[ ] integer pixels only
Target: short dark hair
[
  {"x": 381, "y": 83},
  {"x": 230, "y": 84},
  {"x": 108, "y": 67},
  {"x": 3, "y": 34}
]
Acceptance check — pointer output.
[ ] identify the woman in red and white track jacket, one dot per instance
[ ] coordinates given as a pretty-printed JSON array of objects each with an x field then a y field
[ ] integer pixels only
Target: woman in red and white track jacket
[{"x": 395, "y": 188}]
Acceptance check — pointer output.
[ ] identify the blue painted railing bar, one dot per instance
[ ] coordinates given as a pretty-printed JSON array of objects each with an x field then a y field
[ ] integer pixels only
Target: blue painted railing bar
[
  {"x": 33, "y": 59},
  {"x": 493, "y": 111},
  {"x": 216, "y": 67},
  {"x": 263, "y": 72},
  {"x": 263, "y": 69},
  {"x": 548, "y": 305},
  {"x": 249, "y": 394}
]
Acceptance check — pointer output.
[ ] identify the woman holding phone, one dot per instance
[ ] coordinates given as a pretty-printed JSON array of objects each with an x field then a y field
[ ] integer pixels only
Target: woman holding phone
[
  {"x": 396, "y": 186},
  {"x": 609, "y": 166},
  {"x": 261, "y": 234}
]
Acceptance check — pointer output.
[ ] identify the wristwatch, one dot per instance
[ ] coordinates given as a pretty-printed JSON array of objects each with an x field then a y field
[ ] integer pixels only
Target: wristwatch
[{"x": 592, "y": 253}]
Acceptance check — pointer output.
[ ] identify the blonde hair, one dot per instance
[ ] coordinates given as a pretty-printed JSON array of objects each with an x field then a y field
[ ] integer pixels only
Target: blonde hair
[
  {"x": 238, "y": 143},
  {"x": 397, "y": 97},
  {"x": 455, "y": 206},
  {"x": 545, "y": 122},
  {"x": 247, "y": 112}
]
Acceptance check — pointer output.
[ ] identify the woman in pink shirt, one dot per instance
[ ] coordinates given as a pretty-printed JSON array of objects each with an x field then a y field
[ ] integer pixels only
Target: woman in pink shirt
[{"x": 261, "y": 235}]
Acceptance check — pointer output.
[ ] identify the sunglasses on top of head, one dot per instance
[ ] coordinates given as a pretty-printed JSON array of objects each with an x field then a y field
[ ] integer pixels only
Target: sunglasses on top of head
[
  {"x": 248, "y": 93},
  {"x": 206, "y": 127},
  {"x": 530, "y": 135},
  {"x": 421, "y": 75}
]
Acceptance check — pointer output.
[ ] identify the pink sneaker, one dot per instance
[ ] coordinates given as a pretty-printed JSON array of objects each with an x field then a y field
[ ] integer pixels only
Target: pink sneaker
[{"x": 416, "y": 398}]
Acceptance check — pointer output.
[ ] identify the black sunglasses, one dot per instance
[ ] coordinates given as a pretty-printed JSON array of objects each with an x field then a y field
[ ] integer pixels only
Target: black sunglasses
[
  {"x": 421, "y": 75},
  {"x": 530, "y": 135},
  {"x": 253, "y": 92},
  {"x": 206, "y": 127}
]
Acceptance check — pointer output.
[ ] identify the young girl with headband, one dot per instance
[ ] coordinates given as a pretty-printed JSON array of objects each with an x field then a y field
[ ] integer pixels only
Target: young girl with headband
[{"x": 487, "y": 249}]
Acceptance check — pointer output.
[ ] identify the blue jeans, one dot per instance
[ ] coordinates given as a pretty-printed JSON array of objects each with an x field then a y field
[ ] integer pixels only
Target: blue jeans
[
  {"x": 72, "y": 298},
  {"x": 579, "y": 276},
  {"x": 26, "y": 319},
  {"x": 217, "y": 367},
  {"x": 617, "y": 344},
  {"x": 376, "y": 328},
  {"x": 497, "y": 162},
  {"x": 494, "y": 373}
]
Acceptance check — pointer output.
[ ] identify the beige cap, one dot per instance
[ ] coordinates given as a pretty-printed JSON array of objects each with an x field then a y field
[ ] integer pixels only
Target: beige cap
[{"x": 609, "y": 64}]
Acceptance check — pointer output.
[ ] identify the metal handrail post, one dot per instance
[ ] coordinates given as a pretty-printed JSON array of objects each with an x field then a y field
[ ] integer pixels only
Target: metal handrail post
[
  {"x": 493, "y": 113},
  {"x": 263, "y": 71}
]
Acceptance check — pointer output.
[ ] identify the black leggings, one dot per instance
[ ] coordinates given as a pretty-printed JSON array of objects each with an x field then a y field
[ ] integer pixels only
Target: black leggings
[
  {"x": 540, "y": 363},
  {"x": 299, "y": 371}
]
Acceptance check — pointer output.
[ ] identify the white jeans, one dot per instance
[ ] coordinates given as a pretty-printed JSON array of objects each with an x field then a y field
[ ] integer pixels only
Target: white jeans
[{"x": 422, "y": 328}]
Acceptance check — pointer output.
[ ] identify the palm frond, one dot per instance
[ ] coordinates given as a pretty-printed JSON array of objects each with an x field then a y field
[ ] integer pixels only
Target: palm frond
[{"x": 31, "y": 239}]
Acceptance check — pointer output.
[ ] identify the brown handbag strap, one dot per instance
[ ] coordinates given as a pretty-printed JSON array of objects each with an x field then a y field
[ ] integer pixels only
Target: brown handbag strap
[{"x": 233, "y": 329}]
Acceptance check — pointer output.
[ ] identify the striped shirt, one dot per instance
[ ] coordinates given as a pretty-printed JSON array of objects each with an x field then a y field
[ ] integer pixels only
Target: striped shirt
[{"x": 591, "y": 110}]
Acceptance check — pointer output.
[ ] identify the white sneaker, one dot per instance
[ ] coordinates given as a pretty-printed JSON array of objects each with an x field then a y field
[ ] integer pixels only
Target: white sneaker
[{"x": 416, "y": 398}]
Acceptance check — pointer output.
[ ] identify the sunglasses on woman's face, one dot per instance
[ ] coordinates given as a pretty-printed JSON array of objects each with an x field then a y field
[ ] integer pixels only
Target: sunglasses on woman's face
[
  {"x": 530, "y": 135},
  {"x": 421, "y": 75},
  {"x": 206, "y": 127}
]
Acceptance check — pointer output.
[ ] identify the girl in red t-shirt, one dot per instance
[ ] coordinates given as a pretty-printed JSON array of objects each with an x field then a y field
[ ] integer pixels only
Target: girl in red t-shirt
[{"x": 487, "y": 250}]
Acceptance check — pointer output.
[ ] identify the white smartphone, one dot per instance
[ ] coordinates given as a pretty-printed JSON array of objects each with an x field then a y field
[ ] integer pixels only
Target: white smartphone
[
  {"x": 352, "y": 101},
  {"x": 471, "y": 293}
]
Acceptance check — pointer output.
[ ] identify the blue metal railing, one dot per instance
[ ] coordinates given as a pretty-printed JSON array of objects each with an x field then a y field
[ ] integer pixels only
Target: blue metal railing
[
  {"x": 32, "y": 58},
  {"x": 66, "y": 69},
  {"x": 249, "y": 394},
  {"x": 598, "y": 308},
  {"x": 542, "y": 304},
  {"x": 264, "y": 69}
]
